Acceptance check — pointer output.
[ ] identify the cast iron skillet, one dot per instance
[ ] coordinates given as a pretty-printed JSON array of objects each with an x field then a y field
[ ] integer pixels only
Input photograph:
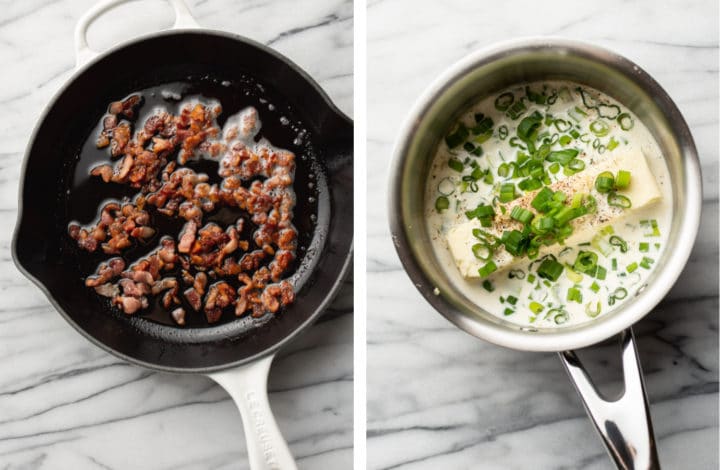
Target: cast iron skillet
[{"x": 238, "y": 353}]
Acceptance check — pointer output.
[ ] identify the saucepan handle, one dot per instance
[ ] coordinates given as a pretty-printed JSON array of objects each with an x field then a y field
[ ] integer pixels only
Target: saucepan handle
[
  {"x": 247, "y": 385},
  {"x": 83, "y": 52},
  {"x": 624, "y": 423}
]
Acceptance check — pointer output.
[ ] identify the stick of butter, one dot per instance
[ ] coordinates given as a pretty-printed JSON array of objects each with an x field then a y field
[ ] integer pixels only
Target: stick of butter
[{"x": 643, "y": 191}]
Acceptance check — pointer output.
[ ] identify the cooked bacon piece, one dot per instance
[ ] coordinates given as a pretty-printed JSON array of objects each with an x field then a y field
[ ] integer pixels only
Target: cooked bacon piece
[
  {"x": 130, "y": 305},
  {"x": 125, "y": 107},
  {"x": 120, "y": 138},
  {"x": 179, "y": 316},
  {"x": 276, "y": 295},
  {"x": 220, "y": 295},
  {"x": 193, "y": 298},
  {"x": 187, "y": 237},
  {"x": 195, "y": 125},
  {"x": 105, "y": 272},
  {"x": 200, "y": 283},
  {"x": 108, "y": 290},
  {"x": 117, "y": 225},
  {"x": 104, "y": 171},
  {"x": 212, "y": 245}
]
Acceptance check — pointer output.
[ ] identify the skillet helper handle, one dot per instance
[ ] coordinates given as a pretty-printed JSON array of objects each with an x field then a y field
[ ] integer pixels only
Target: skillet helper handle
[
  {"x": 624, "y": 423},
  {"x": 247, "y": 385},
  {"x": 83, "y": 52}
]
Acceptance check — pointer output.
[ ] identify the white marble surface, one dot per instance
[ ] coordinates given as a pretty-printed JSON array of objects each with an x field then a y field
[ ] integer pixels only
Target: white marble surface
[
  {"x": 64, "y": 403},
  {"x": 439, "y": 398}
]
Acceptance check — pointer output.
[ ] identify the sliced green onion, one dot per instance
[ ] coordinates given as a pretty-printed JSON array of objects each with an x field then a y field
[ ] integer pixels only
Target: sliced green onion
[
  {"x": 468, "y": 146},
  {"x": 626, "y": 121},
  {"x": 446, "y": 186},
  {"x": 516, "y": 109},
  {"x": 561, "y": 318},
  {"x": 554, "y": 168},
  {"x": 586, "y": 262},
  {"x": 503, "y": 132},
  {"x": 531, "y": 278},
  {"x": 508, "y": 311},
  {"x": 612, "y": 144},
  {"x": 599, "y": 128},
  {"x": 618, "y": 200},
  {"x": 528, "y": 127},
  {"x": 543, "y": 225},
  {"x": 565, "y": 140},
  {"x": 487, "y": 269},
  {"x": 623, "y": 179},
  {"x": 530, "y": 184},
  {"x": 574, "y": 295},
  {"x": 608, "y": 111},
  {"x": 503, "y": 101},
  {"x": 620, "y": 293},
  {"x": 595, "y": 287},
  {"x": 619, "y": 242},
  {"x": 512, "y": 300},
  {"x": 516, "y": 274},
  {"x": 536, "y": 307},
  {"x": 576, "y": 164},
  {"x": 601, "y": 273},
  {"x": 442, "y": 203},
  {"x": 562, "y": 125},
  {"x": 542, "y": 199},
  {"x": 652, "y": 225},
  {"x": 515, "y": 242},
  {"x": 482, "y": 251},
  {"x": 457, "y": 137},
  {"x": 550, "y": 269},
  {"x": 644, "y": 247},
  {"x": 456, "y": 165},
  {"x": 593, "y": 312},
  {"x": 503, "y": 170},
  {"x": 605, "y": 182},
  {"x": 507, "y": 192},
  {"x": 488, "y": 286},
  {"x": 480, "y": 211},
  {"x": 576, "y": 278},
  {"x": 521, "y": 214},
  {"x": 601, "y": 245},
  {"x": 614, "y": 264},
  {"x": 563, "y": 157},
  {"x": 631, "y": 267},
  {"x": 646, "y": 262}
]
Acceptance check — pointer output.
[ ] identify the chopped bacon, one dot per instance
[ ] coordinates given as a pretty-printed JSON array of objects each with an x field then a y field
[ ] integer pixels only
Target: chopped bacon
[{"x": 256, "y": 178}]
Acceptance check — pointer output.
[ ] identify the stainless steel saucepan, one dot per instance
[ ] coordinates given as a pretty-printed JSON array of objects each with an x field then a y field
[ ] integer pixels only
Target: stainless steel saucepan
[{"x": 624, "y": 422}]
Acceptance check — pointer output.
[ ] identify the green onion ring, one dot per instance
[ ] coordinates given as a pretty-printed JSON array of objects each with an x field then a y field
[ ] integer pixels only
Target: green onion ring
[
  {"x": 446, "y": 186},
  {"x": 626, "y": 121},
  {"x": 503, "y": 101}
]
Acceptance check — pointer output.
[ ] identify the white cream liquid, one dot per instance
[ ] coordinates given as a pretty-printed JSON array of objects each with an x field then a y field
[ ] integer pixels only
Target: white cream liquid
[{"x": 556, "y": 309}]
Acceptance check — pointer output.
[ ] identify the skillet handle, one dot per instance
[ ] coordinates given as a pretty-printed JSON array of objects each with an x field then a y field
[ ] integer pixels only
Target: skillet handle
[
  {"x": 623, "y": 423},
  {"x": 247, "y": 385},
  {"x": 83, "y": 52}
]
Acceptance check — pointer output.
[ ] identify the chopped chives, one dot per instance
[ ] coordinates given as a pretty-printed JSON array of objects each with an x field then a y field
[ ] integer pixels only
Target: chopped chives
[{"x": 631, "y": 267}]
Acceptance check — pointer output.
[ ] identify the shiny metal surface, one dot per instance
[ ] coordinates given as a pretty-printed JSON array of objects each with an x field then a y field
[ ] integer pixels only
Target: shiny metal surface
[
  {"x": 622, "y": 422},
  {"x": 625, "y": 424},
  {"x": 486, "y": 72}
]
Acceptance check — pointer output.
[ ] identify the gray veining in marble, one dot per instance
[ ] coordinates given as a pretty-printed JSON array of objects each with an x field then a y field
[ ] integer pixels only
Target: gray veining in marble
[
  {"x": 439, "y": 398},
  {"x": 64, "y": 403}
]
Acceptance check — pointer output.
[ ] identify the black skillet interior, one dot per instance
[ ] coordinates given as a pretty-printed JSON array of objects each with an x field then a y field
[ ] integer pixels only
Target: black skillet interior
[{"x": 203, "y": 61}]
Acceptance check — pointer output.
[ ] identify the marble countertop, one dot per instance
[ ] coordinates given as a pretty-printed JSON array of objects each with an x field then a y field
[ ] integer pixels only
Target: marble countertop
[
  {"x": 439, "y": 398},
  {"x": 65, "y": 403}
]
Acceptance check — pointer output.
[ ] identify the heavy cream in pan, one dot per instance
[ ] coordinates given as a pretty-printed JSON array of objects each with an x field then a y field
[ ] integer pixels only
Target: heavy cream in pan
[{"x": 549, "y": 203}]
